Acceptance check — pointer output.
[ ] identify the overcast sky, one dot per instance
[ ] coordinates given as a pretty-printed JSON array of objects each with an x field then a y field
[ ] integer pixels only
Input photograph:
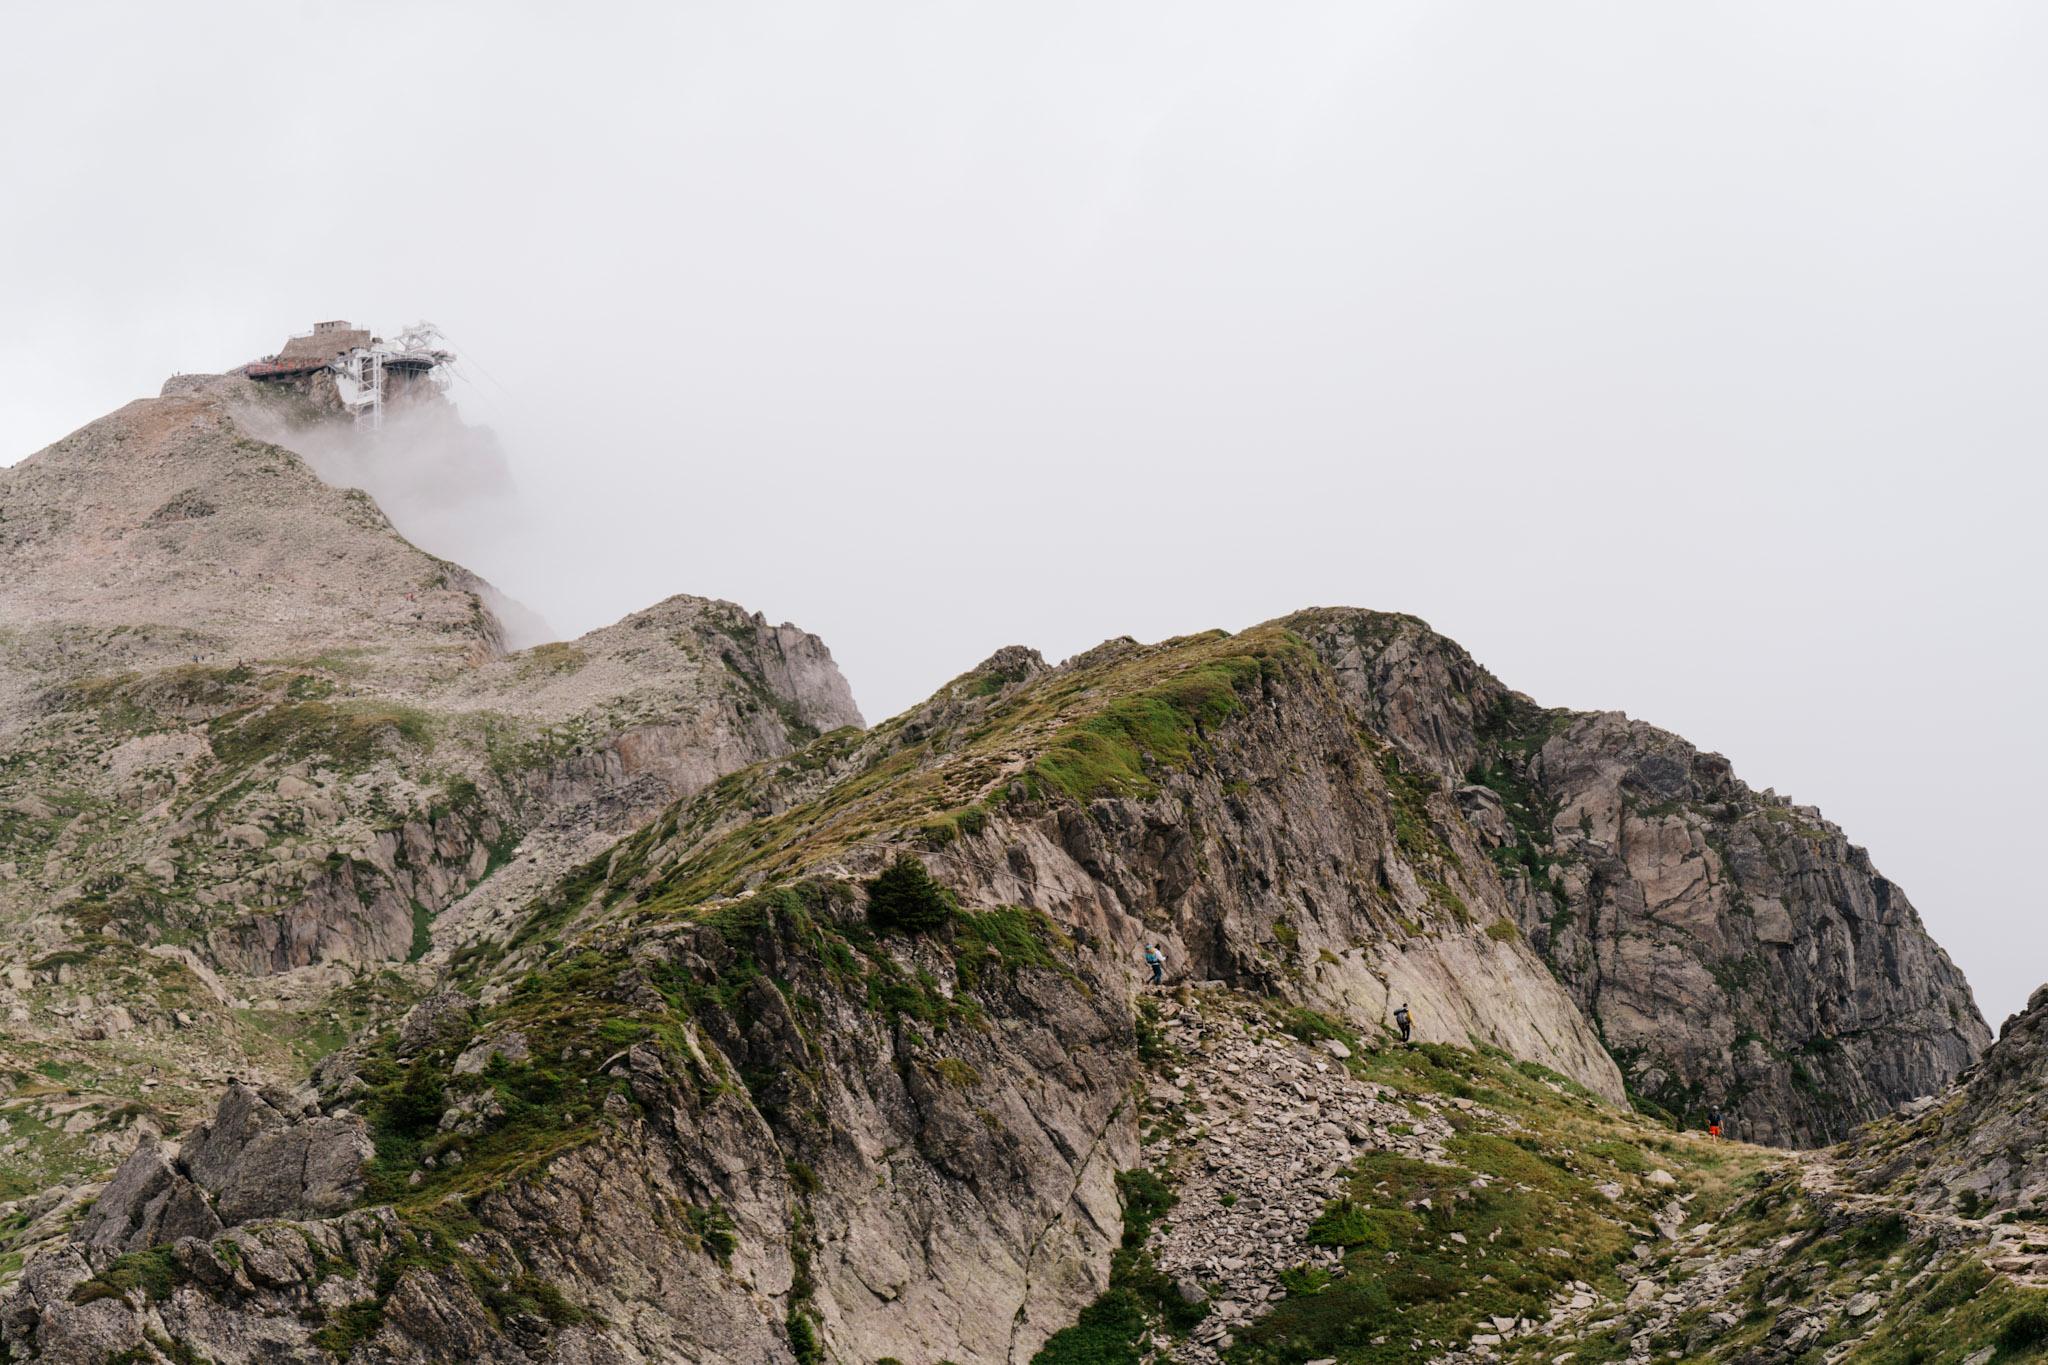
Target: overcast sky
[{"x": 1680, "y": 358}]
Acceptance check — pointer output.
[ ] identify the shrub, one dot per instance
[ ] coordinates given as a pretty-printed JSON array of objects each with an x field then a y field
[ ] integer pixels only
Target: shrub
[
  {"x": 1956, "y": 1288},
  {"x": 1305, "y": 1279},
  {"x": 905, "y": 897},
  {"x": 714, "y": 1228},
  {"x": 1152, "y": 1046},
  {"x": 1346, "y": 1224},
  {"x": 1115, "y": 1329},
  {"x": 2024, "y": 1328},
  {"x": 153, "y": 1274},
  {"x": 804, "y": 1345},
  {"x": 1146, "y": 1199},
  {"x": 1879, "y": 1237},
  {"x": 1110, "y": 1331}
]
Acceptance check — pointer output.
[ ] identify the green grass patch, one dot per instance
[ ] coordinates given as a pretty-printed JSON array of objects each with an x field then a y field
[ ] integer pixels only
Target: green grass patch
[
  {"x": 1535, "y": 1228},
  {"x": 153, "y": 1274},
  {"x": 350, "y": 735},
  {"x": 715, "y": 1231},
  {"x": 1118, "y": 751},
  {"x": 1117, "y": 1328},
  {"x": 349, "y": 1327},
  {"x": 422, "y": 932}
]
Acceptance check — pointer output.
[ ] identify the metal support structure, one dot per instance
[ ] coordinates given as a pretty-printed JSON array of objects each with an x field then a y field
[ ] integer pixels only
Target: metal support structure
[
  {"x": 359, "y": 379},
  {"x": 359, "y": 375}
]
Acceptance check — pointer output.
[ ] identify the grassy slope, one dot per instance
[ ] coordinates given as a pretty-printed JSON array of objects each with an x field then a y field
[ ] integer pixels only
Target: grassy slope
[
  {"x": 1950, "y": 1307},
  {"x": 1112, "y": 726},
  {"x": 1542, "y": 1147}
]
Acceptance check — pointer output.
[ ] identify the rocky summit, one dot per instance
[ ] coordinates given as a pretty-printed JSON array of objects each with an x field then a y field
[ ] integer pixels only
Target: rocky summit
[
  {"x": 377, "y": 992},
  {"x": 1733, "y": 948}
]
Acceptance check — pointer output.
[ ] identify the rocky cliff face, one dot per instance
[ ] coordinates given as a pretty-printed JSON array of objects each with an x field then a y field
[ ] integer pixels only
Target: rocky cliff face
[
  {"x": 1734, "y": 950},
  {"x": 628, "y": 1002},
  {"x": 1213, "y": 795},
  {"x": 1292, "y": 855},
  {"x": 1738, "y": 950},
  {"x": 1975, "y": 1151},
  {"x": 870, "y": 1136}
]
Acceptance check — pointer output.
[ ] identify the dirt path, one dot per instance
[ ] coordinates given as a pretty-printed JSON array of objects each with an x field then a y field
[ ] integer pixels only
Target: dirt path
[{"x": 2015, "y": 1250}]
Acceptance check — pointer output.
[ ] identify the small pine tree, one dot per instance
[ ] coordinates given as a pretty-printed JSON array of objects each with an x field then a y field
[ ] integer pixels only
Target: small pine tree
[{"x": 905, "y": 897}]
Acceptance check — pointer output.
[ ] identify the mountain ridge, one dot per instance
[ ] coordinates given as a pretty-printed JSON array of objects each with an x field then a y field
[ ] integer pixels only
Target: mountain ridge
[
  {"x": 625, "y": 999},
  {"x": 226, "y": 829}
]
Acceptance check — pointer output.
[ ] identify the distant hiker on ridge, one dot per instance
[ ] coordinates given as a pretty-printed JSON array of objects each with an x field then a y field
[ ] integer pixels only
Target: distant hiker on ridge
[
  {"x": 1157, "y": 963},
  {"x": 1714, "y": 1123},
  {"x": 1401, "y": 1022}
]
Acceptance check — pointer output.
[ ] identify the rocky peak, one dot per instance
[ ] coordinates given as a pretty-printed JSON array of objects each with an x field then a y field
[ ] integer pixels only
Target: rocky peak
[
  {"x": 252, "y": 742},
  {"x": 164, "y": 534},
  {"x": 1734, "y": 949},
  {"x": 1414, "y": 687},
  {"x": 1007, "y": 667}
]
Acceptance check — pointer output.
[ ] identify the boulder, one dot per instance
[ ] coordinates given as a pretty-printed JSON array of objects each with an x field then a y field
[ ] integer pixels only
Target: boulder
[
  {"x": 262, "y": 1156},
  {"x": 269, "y": 1155},
  {"x": 478, "y": 1055},
  {"x": 442, "y": 1017},
  {"x": 147, "y": 1203}
]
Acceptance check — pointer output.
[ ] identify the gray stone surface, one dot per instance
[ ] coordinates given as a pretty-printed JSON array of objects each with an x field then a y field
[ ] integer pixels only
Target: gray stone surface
[
  {"x": 1734, "y": 949},
  {"x": 150, "y": 1201},
  {"x": 1975, "y": 1152},
  {"x": 261, "y": 1156},
  {"x": 1380, "y": 824}
]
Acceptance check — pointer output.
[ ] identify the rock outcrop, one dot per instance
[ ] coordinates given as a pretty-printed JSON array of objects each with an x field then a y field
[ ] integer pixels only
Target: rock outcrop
[
  {"x": 1975, "y": 1150},
  {"x": 149, "y": 1202},
  {"x": 263, "y": 1155},
  {"x": 1735, "y": 950}
]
